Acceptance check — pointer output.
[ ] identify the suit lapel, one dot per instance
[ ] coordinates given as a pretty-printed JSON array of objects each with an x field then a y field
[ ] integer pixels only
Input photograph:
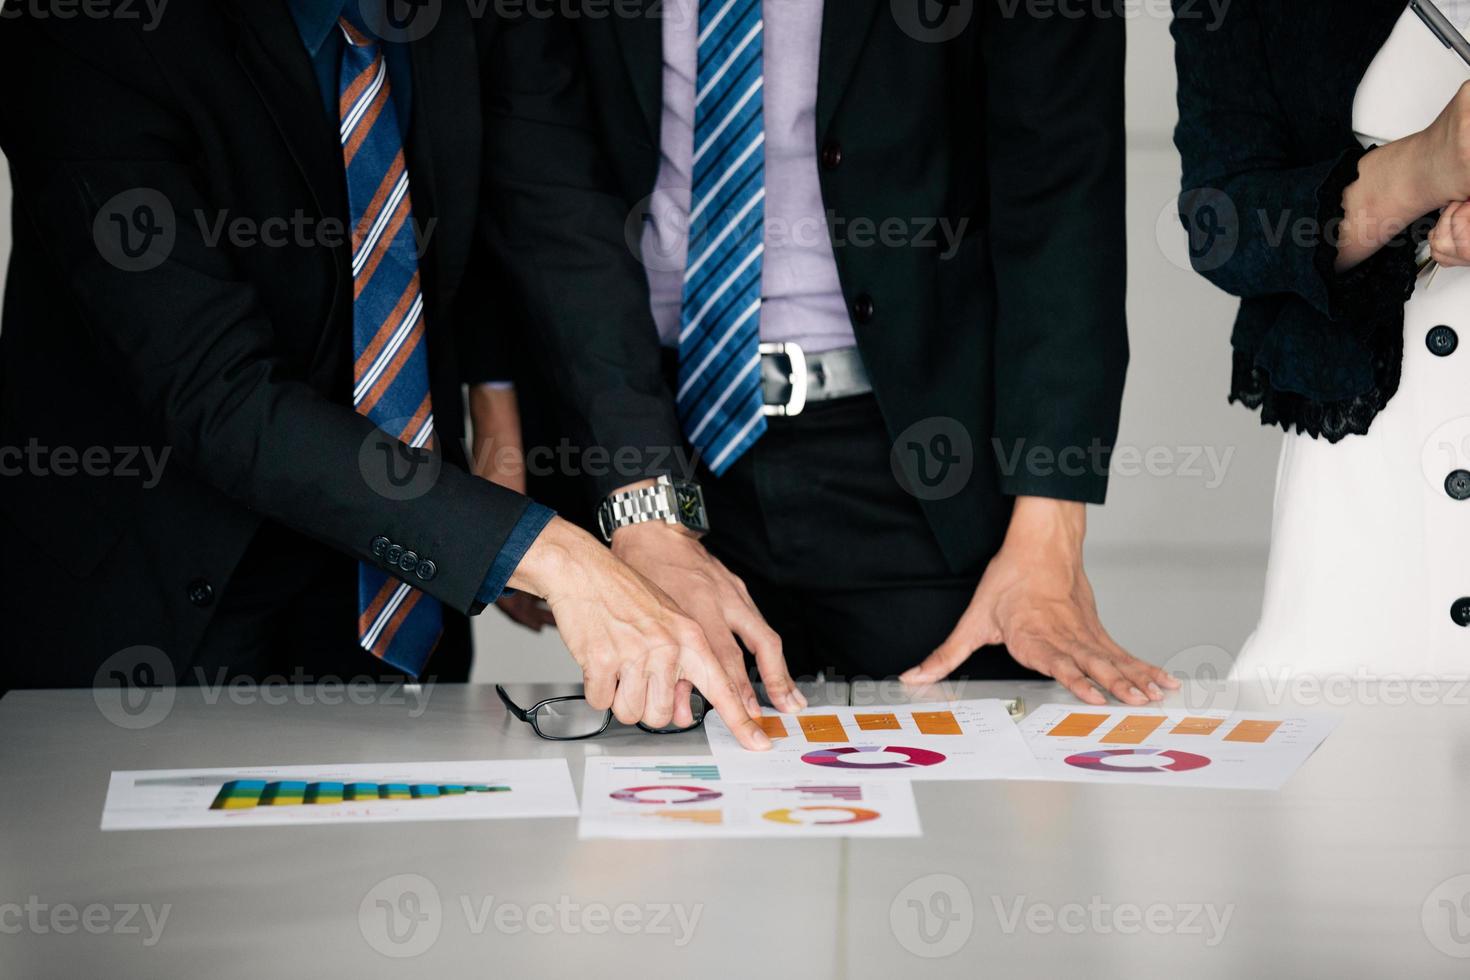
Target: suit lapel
[
  {"x": 845, "y": 28},
  {"x": 271, "y": 52},
  {"x": 642, "y": 41}
]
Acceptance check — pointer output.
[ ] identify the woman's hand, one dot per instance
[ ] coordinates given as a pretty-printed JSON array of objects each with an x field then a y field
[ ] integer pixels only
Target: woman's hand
[{"x": 1449, "y": 242}]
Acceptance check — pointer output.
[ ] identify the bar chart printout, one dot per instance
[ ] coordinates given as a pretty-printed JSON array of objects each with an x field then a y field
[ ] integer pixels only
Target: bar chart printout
[
  {"x": 279, "y": 795},
  {"x": 973, "y": 739},
  {"x": 1235, "y": 750},
  {"x": 642, "y": 798}
]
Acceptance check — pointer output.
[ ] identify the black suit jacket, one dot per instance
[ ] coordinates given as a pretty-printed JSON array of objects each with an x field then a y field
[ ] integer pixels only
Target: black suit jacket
[
  {"x": 234, "y": 357},
  {"x": 1011, "y": 129}
]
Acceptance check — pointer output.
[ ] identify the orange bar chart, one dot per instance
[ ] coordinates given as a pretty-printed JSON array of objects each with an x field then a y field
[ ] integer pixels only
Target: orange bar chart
[
  {"x": 822, "y": 728},
  {"x": 772, "y": 725},
  {"x": 1133, "y": 729},
  {"x": 936, "y": 723},
  {"x": 877, "y": 723},
  {"x": 1078, "y": 723},
  {"x": 691, "y": 816},
  {"x": 1252, "y": 731},
  {"x": 1196, "y": 726}
]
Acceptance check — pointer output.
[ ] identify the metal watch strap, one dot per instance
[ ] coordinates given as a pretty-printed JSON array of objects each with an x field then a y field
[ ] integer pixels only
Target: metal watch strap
[{"x": 636, "y": 507}]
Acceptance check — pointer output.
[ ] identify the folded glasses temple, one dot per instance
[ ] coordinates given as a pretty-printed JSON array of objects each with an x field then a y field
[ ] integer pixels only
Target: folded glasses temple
[{"x": 511, "y": 706}]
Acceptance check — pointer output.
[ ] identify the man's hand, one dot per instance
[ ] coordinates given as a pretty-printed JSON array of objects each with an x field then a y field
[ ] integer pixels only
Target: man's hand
[
  {"x": 1035, "y": 598},
  {"x": 639, "y": 654},
  {"x": 706, "y": 590}
]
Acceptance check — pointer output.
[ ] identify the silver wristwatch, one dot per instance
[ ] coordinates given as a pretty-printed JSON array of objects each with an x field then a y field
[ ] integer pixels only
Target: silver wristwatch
[{"x": 680, "y": 504}]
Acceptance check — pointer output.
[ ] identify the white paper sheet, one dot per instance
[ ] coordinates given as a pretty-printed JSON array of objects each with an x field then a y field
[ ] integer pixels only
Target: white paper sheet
[
  {"x": 950, "y": 740},
  {"x": 278, "y": 795},
  {"x": 683, "y": 796},
  {"x": 1225, "y": 750}
]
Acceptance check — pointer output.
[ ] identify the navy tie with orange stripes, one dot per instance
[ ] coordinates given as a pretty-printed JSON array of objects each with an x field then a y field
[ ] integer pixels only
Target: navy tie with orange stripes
[{"x": 396, "y": 623}]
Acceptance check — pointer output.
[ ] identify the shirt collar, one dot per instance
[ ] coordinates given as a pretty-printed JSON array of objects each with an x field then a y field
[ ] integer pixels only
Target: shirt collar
[{"x": 315, "y": 20}]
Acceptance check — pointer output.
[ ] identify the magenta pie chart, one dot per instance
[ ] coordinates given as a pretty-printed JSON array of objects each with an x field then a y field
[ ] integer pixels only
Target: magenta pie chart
[
  {"x": 851, "y": 757},
  {"x": 1169, "y": 760},
  {"x": 666, "y": 795}
]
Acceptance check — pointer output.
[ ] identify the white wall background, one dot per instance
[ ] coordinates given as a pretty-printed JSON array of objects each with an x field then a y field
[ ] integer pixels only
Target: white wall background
[{"x": 1178, "y": 554}]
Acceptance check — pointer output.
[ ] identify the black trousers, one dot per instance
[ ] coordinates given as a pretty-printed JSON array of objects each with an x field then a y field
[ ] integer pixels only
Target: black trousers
[
  {"x": 290, "y": 611},
  {"x": 838, "y": 557}
]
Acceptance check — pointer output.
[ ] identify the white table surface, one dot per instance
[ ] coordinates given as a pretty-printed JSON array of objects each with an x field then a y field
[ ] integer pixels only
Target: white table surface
[{"x": 1352, "y": 870}]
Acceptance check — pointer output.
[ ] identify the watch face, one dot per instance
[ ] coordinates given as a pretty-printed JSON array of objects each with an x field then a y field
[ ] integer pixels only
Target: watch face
[{"x": 689, "y": 500}]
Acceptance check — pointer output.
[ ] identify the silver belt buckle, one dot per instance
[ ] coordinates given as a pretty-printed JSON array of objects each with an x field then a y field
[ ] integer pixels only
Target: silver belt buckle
[{"x": 796, "y": 401}]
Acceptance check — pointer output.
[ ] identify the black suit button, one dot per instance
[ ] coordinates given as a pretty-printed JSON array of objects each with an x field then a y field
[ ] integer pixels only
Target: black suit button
[
  {"x": 862, "y": 308},
  {"x": 409, "y": 561},
  {"x": 1460, "y": 611},
  {"x": 1457, "y": 484},
  {"x": 379, "y": 545},
  {"x": 201, "y": 593},
  {"x": 1442, "y": 341},
  {"x": 831, "y": 155},
  {"x": 394, "y": 552},
  {"x": 425, "y": 570}
]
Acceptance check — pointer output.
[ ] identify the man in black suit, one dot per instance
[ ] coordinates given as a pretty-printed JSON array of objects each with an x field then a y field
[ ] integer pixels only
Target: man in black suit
[
  {"x": 885, "y": 248},
  {"x": 242, "y": 246}
]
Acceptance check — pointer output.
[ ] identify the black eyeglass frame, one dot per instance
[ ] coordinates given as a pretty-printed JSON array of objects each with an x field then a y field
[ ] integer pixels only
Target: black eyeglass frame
[{"x": 528, "y": 715}]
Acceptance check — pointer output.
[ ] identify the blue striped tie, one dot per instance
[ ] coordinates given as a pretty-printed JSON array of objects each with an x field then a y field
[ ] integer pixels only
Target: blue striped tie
[
  {"x": 719, "y": 395},
  {"x": 396, "y": 623}
]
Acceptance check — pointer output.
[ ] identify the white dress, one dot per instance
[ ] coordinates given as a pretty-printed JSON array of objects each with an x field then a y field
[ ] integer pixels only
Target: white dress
[{"x": 1369, "y": 574}]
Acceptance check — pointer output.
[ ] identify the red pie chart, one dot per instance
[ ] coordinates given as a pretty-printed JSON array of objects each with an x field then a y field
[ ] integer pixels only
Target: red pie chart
[
  {"x": 634, "y": 794},
  {"x": 850, "y": 757},
  {"x": 844, "y": 814},
  {"x": 1170, "y": 760}
]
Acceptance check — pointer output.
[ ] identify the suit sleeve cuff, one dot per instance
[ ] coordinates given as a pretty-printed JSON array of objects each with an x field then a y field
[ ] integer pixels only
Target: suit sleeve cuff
[{"x": 533, "y": 521}]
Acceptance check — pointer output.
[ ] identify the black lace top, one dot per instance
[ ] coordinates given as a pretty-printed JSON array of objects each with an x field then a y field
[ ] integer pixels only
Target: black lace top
[{"x": 1265, "y": 133}]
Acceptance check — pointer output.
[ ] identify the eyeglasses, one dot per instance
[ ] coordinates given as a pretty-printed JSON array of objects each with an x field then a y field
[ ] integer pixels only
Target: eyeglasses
[{"x": 568, "y": 718}]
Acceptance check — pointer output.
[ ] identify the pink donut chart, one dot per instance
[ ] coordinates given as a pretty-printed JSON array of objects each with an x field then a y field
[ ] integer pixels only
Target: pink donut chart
[
  {"x": 634, "y": 794},
  {"x": 1098, "y": 760},
  {"x": 838, "y": 758}
]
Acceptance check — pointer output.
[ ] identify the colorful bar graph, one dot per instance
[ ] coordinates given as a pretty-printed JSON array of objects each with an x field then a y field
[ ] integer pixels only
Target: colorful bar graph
[
  {"x": 936, "y": 723},
  {"x": 1196, "y": 726},
  {"x": 847, "y": 792},
  {"x": 246, "y": 794},
  {"x": 1078, "y": 723},
  {"x": 1252, "y": 731},
  {"x": 704, "y": 770},
  {"x": 1133, "y": 729},
  {"x": 877, "y": 723},
  {"x": 772, "y": 725},
  {"x": 822, "y": 728}
]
